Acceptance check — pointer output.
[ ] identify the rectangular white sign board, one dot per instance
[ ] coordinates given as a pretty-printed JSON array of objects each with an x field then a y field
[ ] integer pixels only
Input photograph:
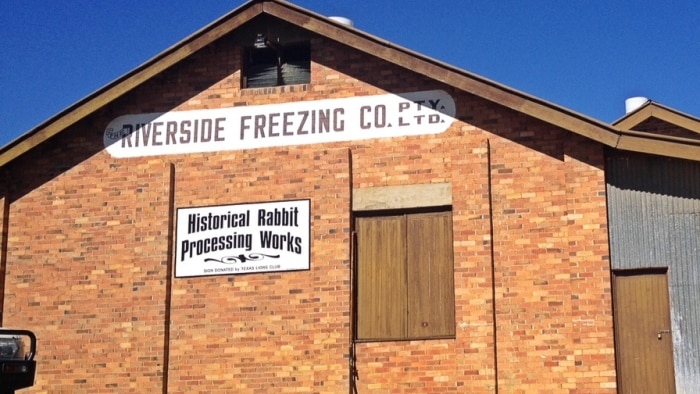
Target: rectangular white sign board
[{"x": 243, "y": 238}]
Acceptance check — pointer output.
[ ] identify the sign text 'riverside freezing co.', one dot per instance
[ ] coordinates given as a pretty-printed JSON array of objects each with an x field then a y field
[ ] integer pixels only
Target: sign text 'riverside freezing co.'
[
  {"x": 297, "y": 123},
  {"x": 243, "y": 238}
]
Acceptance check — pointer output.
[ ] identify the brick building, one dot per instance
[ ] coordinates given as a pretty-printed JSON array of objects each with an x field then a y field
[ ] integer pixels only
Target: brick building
[{"x": 281, "y": 202}]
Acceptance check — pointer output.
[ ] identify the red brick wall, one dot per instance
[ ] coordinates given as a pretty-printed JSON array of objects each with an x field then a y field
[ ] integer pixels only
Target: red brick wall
[
  {"x": 658, "y": 126},
  {"x": 89, "y": 269},
  {"x": 553, "y": 310},
  {"x": 251, "y": 333}
]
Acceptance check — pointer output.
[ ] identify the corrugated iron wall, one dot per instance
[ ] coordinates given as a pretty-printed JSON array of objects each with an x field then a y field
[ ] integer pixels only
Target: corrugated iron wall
[{"x": 654, "y": 219}]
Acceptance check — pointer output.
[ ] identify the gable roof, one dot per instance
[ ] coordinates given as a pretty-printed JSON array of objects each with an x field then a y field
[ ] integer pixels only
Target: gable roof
[
  {"x": 556, "y": 115},
  {"x": 660, "y": 119}
]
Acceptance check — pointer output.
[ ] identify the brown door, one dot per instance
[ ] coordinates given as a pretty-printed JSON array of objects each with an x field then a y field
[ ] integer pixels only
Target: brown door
[{"x": 643, "y": 333}]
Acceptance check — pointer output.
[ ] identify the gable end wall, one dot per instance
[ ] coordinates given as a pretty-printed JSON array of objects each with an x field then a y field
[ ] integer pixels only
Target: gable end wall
[{"x": 90, "y": 243}]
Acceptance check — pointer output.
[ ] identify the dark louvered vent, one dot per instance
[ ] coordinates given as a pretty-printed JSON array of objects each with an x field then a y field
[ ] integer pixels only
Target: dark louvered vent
[{"x": 277, "y": 66}]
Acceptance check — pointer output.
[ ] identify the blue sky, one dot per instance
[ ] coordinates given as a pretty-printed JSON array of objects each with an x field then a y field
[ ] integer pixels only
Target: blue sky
[{"x": 585, "y": 55}]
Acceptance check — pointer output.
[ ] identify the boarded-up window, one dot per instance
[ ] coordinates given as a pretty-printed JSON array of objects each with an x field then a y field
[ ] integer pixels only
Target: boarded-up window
[
  {"x": 277, "y": 65},
  {"x": 405, "y": 277}
]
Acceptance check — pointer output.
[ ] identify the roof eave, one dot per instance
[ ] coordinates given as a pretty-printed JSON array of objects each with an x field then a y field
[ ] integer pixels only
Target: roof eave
[
  {"x": 682, "y": 148},
  {"x": 128, "y": 81},
  {"x": 448, "y": 74},
  {"x": 458, "y": 78}
]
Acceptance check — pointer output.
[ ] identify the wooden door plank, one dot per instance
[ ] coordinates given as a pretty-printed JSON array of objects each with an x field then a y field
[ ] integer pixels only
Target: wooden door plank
[
  {"x": 381, "y": 278},
  {"x": 430, "y": 271}
]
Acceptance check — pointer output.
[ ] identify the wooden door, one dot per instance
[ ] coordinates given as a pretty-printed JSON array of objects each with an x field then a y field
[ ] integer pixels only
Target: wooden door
[{"x": 643, "y": 333}]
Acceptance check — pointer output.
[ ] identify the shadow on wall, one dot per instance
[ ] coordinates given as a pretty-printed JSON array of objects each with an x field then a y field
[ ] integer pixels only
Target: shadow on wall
[
  {"x": 653, "y": 174},
  {"x": 496, "y": 119},
  {"x": 195, "y": 74},
  {"x": 84, "y": 139}
]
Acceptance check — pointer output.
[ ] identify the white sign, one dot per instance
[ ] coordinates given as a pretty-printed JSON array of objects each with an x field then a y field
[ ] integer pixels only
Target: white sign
[
  {"x": 298, "y": 123},
  {"x": 243, "y": 238}
]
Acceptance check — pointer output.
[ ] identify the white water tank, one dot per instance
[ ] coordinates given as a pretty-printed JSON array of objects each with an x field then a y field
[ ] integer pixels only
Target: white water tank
[
  {"x": 342, "y": 20},
  {"x": 633, "y": 103}
]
